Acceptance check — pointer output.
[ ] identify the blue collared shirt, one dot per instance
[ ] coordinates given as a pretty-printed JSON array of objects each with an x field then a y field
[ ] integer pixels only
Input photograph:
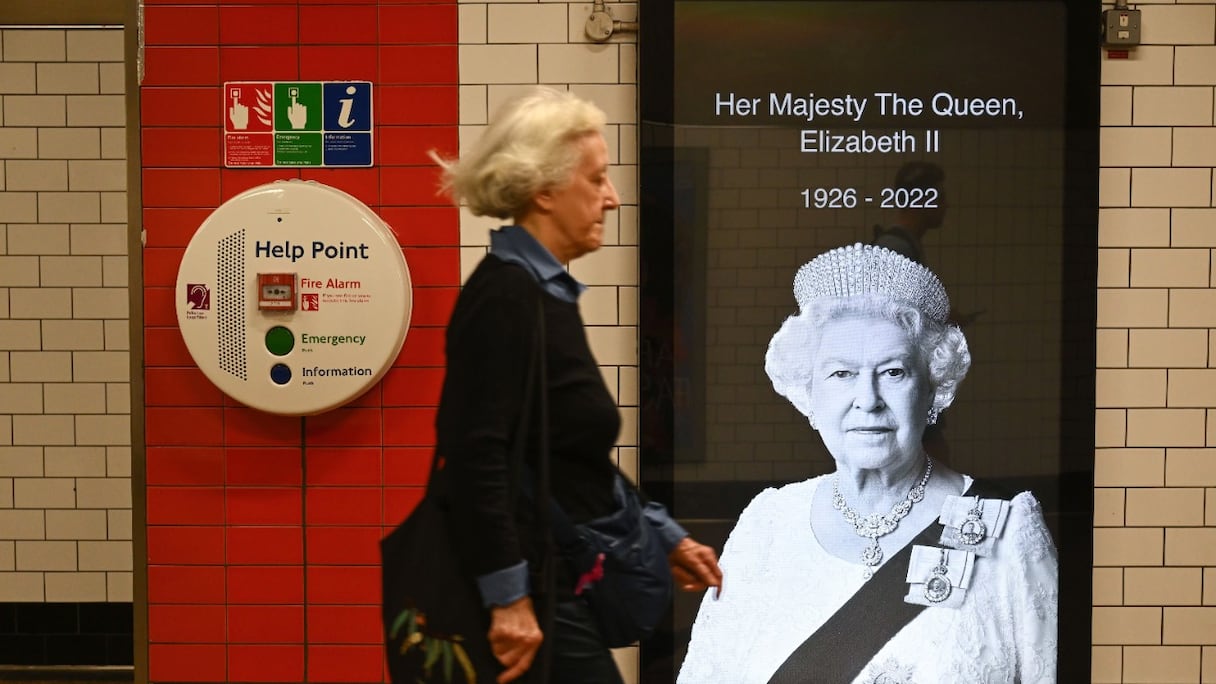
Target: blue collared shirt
[{"x": 516, "y": 245}]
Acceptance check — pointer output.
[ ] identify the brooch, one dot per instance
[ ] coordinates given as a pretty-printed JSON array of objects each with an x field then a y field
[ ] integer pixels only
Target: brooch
[
  {"x": 939, "y": 576},
  {"x": 973, "y": 523},
  {"x": 973, "y": 529},
  {"x": 937, "y": 584}
]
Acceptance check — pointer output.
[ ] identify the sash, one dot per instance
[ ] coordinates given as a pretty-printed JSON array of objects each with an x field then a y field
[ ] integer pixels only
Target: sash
[{"x": 838, "y": 651}]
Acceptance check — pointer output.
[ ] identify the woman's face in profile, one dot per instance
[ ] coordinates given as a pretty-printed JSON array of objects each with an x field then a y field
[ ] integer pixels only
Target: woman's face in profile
[
  {"x": 870, "y": 393},
  {"x": 579, "y": 206}
]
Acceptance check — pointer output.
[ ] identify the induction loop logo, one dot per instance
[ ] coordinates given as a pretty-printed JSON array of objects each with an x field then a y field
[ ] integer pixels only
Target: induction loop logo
[{"x": 198, "y": 297}]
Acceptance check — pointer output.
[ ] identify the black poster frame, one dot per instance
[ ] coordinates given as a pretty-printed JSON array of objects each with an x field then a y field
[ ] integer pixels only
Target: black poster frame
[{"x": 666, "y": 275}]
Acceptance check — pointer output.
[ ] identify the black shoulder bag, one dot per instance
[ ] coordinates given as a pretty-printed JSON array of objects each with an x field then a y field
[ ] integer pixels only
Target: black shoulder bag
[
  {"x": 621, "y": 565},
  {"x": 619, "y": 559},
  {"x": 435, "y": 624}
]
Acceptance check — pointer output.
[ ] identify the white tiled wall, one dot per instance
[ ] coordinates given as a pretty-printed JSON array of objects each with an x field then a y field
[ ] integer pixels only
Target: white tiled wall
[
  {"x": 507, "y": 46},
  {"x": 65, "y": 456},
  {"x": 1154, "y": 542}
]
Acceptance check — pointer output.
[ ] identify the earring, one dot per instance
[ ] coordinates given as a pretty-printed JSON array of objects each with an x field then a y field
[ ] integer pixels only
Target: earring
[
  {"x": 933, "y": 416},
  {"x": 810, "y": 417}
]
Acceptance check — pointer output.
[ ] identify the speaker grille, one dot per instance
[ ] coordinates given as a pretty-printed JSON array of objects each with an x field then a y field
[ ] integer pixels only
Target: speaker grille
[{"x": 230, "y": 303}]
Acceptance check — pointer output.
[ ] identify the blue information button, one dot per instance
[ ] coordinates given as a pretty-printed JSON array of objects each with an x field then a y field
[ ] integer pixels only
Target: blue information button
[{"x": 280, "y": 374}]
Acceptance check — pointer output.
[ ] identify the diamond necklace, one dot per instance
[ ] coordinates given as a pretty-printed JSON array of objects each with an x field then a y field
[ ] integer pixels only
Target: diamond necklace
[{"x": 874, "y": 525}]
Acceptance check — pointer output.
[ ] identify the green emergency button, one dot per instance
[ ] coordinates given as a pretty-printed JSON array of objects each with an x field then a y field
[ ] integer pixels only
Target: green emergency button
[{"x": 280, "y": 341}]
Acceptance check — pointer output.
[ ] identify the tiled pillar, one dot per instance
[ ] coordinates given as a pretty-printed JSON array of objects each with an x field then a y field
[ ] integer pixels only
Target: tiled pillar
[
  {"x": 65, "y": 457},
  {"x": 263, "y": 563},
  {"x": 1154, "y": 615}
]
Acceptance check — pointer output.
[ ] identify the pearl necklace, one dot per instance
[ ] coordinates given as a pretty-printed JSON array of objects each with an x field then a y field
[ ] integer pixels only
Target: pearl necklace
[{"x": 875, "y": 525}]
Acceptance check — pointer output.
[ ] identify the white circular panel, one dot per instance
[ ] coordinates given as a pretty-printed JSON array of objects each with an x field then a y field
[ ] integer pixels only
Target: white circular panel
[{"x": 293, "y": 298}]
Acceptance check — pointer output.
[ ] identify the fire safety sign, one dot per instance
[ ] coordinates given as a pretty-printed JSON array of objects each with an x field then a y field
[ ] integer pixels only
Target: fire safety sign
[{"x": 311, "y": 123}]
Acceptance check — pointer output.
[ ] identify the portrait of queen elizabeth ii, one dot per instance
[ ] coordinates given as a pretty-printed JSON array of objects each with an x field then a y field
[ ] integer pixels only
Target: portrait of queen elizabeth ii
[{"x": 894, "y": 568}]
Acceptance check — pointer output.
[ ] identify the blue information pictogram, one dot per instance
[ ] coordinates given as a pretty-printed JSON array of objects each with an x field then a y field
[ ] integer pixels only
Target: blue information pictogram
[{"x": 348, "y": 106}]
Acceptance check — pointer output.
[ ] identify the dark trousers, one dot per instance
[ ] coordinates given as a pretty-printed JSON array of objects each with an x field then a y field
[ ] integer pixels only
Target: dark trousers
[{"x": 579, "y": 653}]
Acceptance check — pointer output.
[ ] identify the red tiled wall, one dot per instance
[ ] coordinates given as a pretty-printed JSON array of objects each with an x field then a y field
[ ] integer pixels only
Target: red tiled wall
[{"x": 262, "y": 530}]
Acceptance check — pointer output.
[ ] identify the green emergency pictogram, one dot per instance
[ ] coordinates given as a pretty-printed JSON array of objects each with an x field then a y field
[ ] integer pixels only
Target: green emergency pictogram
[{"x": 297, "y": 106}]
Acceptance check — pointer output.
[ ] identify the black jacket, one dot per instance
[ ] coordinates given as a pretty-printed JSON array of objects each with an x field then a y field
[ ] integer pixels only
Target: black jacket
[{"x": 489, "y": 343}]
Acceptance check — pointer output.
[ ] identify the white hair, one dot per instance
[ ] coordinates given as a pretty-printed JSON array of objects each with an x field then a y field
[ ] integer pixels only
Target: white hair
[
  {"x": 942, "y": 347},
  {"x": 529, "y": 145}
]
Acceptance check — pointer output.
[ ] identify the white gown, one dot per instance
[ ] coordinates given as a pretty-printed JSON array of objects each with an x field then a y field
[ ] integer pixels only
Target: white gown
[{"x": 780, "y": 585}]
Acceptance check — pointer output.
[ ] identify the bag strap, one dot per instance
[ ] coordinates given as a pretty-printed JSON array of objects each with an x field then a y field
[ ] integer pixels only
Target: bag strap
[
  {"x": 842, "y": 646},
  {"x": 516, "y": 464},
  {"x": 521, "y": 479},
  {"x": 543, "y": 513},
  {"x": 519, "y": 473},
  {"x": 546, "y": 605},
  {"x": 530, "y": 484}
]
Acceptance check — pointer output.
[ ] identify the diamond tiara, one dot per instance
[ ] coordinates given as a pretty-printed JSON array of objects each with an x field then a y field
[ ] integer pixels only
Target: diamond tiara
[{"x": 862, "y": 269}]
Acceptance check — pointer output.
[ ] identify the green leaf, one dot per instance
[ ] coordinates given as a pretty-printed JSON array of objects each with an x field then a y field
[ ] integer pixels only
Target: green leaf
[
  {"x": 447, "y": 661},
  {"x": 432, "y": 647},
  {"x": 470, "y": 675},
  {"x": 404, "y": 615}
]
